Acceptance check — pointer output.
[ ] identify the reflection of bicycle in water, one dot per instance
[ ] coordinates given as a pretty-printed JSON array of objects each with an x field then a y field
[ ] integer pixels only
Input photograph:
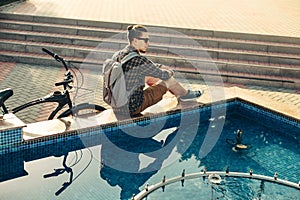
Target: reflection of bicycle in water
[
  {"x": 68, "y": 169},
  {"x": 62, "y": 98},
  {"x": 60, "y": 171}
]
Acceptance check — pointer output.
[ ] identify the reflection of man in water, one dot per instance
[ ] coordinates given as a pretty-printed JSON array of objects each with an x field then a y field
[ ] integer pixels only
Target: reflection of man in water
[
  {"x": 129, "y": 183},
  {"x": 126, "y": 170}
]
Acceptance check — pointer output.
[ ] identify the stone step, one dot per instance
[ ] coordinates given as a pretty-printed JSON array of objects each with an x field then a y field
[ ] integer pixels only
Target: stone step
[
  {"x": 167, "y": 55},
  {"x": 251, "y": 68},
  {"x": 157, "y": 49},
  {"x": 90, "y": 35},
  {"x": 216, "y": 48},
  {"x": 122, "y": 27},
  {"x": 233, "y": 56},
  {"x": 96, "y": 58},
  {"x": 210, "y": 76},
  {"x": 204, "y": 42},
  {"x": 239, "y": 78}
]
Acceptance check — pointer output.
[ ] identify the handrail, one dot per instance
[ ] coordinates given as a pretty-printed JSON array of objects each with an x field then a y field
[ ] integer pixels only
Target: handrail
[{"x": 149, "y": 189}]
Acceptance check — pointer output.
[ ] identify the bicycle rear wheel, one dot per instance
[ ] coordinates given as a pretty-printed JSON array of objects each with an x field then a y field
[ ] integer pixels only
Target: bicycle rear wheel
[{"x": 84, "y": 109}]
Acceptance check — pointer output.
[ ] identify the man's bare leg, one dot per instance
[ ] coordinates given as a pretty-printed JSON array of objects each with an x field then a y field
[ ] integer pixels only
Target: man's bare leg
[{"x": 172, "y": 84}]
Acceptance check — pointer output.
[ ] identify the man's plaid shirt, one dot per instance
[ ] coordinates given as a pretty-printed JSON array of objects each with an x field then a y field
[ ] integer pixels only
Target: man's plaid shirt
[{"x": 135, "y": 71}]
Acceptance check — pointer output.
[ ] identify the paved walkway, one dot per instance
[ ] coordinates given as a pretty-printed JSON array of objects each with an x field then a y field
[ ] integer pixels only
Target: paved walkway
[
  {"x": 280, "y": 17},
  {"x": 271, "y": 17}
]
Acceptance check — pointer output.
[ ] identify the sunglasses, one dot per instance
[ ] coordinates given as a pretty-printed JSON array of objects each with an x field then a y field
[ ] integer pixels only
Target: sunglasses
[{"x": 145, "y": 39}]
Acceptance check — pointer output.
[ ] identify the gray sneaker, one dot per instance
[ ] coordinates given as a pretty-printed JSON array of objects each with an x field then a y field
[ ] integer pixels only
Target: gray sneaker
[{"x": 191, "y": 95}]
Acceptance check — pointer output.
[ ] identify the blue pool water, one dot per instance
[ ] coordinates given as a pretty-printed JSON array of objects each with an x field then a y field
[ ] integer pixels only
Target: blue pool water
[{"x": 95, "y": 169}]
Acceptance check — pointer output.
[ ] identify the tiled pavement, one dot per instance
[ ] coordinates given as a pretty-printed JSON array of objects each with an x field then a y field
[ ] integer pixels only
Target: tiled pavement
[{"x": 279, "y": 17}]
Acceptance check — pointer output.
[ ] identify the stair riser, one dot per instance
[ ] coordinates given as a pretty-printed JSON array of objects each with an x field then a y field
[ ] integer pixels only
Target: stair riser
[
  {"x": 29, "y": 60},
  {"x": 226, "y": 67},
  {"x": 12, "y": 36},
  {"x": 13, "y": 26},
  {"x": 242, "y": 69},
  {"x": 266, "y": 83},
  {"x": 57, "y": 29},
  {"x": 243, "y": 46},
  {"x": 258, "y": 70},
  {"x": 259, "y": 58},
  {"x": 283, "y": 49},
  {"x": 167, "y": 40},
  {"x": 290, "y": 61},
  {"x": 229, "y": 45},
  {"x": 255, "y": 37},
  {"x": 260, "y": 47},
  {"x": 212, "y": 80},
  {"x": 51, "y": 39},
  {"x": 64, "y": 21}
]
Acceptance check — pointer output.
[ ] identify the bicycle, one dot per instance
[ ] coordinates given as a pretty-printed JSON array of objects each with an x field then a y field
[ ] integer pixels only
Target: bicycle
[{"x": 62, "y": 98}]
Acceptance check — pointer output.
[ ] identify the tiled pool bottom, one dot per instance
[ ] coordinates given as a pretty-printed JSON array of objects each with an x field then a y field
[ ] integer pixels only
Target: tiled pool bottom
[{"x": 274, "y": 140}]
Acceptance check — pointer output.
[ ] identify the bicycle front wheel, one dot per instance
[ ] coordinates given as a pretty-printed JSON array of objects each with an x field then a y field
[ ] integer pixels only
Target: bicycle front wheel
[{"x": 84, "y": 109}]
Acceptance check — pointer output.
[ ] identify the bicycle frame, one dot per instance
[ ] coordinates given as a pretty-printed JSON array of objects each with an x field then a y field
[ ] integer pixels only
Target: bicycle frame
[{"x": 57, "y": 97}]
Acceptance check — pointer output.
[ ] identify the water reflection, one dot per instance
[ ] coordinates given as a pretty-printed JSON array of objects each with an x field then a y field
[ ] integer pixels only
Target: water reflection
[
  {"x": 59, "y": 171},
  {"x": 142, "y": 165},
  {"x": 70, "y": 154}
]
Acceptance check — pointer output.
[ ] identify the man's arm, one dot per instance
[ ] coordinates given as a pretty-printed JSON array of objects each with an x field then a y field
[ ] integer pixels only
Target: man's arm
[{"x": 148, "y": 68}]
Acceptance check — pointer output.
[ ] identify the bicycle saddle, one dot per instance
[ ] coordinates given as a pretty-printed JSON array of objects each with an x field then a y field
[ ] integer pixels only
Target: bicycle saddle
[{"x": 4, "y": 95}]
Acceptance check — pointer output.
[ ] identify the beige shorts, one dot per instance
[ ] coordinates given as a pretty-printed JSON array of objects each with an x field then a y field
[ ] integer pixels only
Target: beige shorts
[{"x": 152, "y": 95}]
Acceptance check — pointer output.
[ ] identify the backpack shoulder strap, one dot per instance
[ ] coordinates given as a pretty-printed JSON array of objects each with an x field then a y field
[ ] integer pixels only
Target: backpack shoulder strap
[{"x": 129, "y": 56}]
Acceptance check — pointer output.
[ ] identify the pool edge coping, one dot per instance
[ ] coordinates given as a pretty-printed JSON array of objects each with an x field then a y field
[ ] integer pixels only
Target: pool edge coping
[{"x": 231, "y": 94}]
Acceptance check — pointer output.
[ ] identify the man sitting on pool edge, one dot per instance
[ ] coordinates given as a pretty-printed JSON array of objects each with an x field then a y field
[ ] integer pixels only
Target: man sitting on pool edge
[{"x": 140, "y": 71}]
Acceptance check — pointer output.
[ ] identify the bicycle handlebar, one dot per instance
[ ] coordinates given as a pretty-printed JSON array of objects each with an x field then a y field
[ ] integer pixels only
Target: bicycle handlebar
[
  {"x": 56, "y": 57},
  {"x": 68, "y": 75},
  {"x": 65, "y": 83}
]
